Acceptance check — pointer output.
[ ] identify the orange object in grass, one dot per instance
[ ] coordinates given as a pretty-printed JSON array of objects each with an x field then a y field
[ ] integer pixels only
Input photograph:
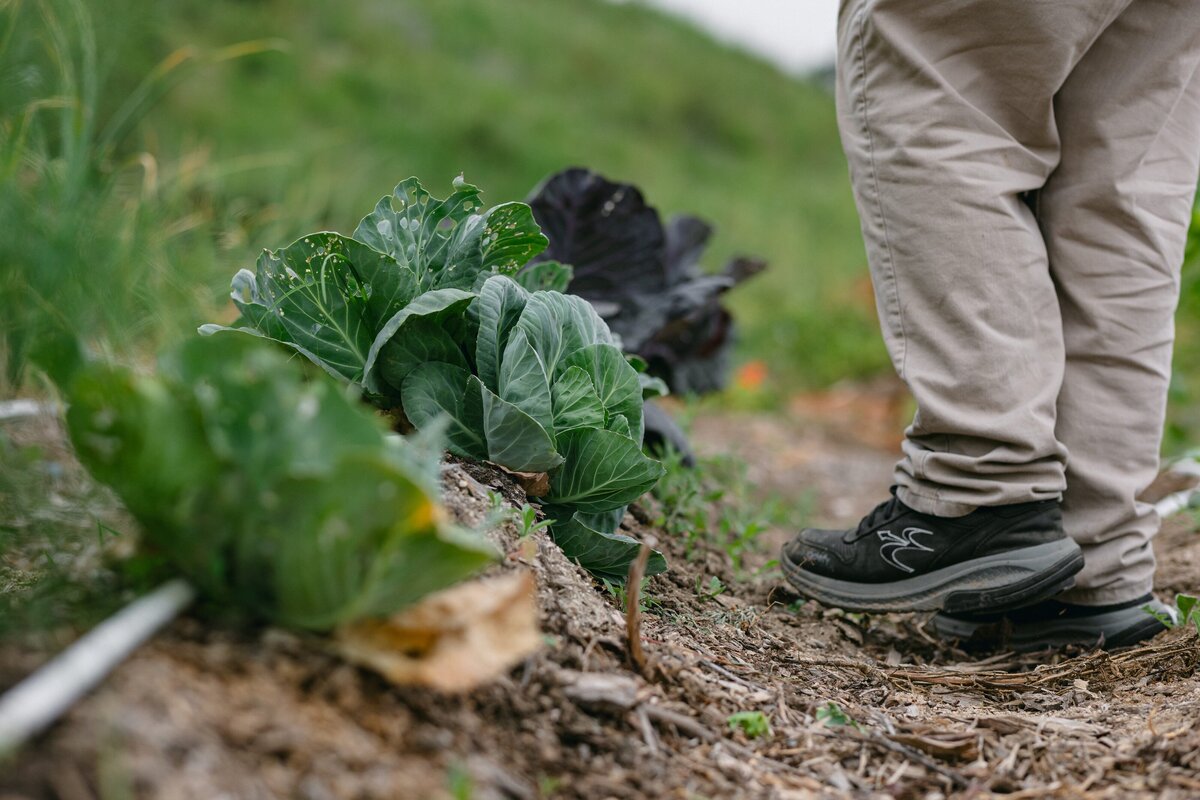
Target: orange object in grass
[{"x": 751, "y": 375}]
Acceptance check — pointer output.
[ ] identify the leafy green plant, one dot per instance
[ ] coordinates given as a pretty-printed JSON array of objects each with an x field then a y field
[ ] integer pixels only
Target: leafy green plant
[
  {"x": 714, "y": 588},
  {"x": 1186, "y": 611},
  {"x": 715, "y": 503},
  {"x": 619, "y": 592},
  {"x": 430, "y": 309},
  {"x": 527, "y": 519},
  {"x": 265, "y": 489},
  {"x": 832, "y": 715},
  {"x": 752, "y": 723}
]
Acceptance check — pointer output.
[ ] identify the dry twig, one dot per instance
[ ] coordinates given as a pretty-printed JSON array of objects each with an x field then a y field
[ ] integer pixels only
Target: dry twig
[{"x": 633, "y": 610}]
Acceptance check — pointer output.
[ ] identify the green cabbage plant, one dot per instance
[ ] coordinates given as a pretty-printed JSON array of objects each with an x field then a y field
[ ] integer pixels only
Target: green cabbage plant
[
  {"x": 268, "y": 490},
  {"x": 431, "y": 308}
]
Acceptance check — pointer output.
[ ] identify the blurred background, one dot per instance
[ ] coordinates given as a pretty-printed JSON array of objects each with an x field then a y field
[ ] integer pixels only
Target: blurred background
[{"x": 149, "y": 148}]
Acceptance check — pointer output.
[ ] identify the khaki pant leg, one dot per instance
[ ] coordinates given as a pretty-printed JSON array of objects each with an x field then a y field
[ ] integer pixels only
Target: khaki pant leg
[
  {"x": 946, "y": 115},
  {"x": 1115, "y": 215}
]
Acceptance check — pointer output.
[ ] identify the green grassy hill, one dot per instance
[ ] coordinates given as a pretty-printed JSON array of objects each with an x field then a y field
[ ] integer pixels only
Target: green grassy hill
[{"x": 360, "y": 94}]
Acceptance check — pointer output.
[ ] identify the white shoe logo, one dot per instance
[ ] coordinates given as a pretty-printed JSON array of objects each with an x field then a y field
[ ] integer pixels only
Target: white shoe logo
[{"x": 894, "y": 544}]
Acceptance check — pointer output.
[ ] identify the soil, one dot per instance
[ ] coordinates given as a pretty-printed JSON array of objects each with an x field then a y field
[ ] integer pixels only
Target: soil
[{"x": 858, "y": 706}]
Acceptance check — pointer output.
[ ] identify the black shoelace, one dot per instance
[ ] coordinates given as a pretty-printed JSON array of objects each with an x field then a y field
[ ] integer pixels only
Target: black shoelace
[{"x": 888, "y": 508}]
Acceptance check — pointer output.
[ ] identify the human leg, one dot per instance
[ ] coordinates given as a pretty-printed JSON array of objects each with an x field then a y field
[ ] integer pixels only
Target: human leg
[
  {"x": 947, "y": 118},
  {"x": 1115, "y": 214}
]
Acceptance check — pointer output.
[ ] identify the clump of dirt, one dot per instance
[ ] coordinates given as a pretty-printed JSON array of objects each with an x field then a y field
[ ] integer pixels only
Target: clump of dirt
[{"x": 857, "y": 706}]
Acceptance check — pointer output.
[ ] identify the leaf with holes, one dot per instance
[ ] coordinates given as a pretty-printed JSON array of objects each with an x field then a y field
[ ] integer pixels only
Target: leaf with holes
[
  {"x": 310, "y": 297},
  {"x": 451, "y": 243}
]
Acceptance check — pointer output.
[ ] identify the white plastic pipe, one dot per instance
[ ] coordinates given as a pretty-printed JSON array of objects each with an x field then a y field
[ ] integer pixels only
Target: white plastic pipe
[
  {"x": 13, "y": 409},
  {"x": 1174, "y": 503},
  {"x": 32, "y": 705}
]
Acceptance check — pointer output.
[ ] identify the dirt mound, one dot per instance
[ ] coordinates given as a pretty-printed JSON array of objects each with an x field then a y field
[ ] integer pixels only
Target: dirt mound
[{"x": 857, "y": 706}]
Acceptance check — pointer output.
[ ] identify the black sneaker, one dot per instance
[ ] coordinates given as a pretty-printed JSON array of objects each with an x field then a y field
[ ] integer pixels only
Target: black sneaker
[
  {"x": 1052, "y": 623},
  {"x": 898, "y": 559}
]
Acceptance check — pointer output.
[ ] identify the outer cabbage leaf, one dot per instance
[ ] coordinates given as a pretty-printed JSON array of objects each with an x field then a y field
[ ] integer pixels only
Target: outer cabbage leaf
[
  {"x": 268, "y": 490},
  {"x": 500, "y": 304},
  {"x": 322, "y": 296},
  {"x": 652, "y": 387},
  {"x": 601, "y": 470},
  {"x": 515, "y": 439},
  {"x": 302, "y": 428},
  {"x": 397, "y": 349},
  {"x": 374, "y": 545},
  {"x": 438, "y": 390},
  {"x": 134, "y": 434},
  {"x": 545, "y": 276},
  {"x": 590, "y": 540}
]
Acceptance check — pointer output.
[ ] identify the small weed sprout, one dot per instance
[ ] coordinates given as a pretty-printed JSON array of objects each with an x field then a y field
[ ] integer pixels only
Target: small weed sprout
[
  {"x": 715, "y": 502},
  {"x": 752, "y": 723},
  {"x": 831, "y": 715},
  {"x": 714, "y": 588},
  {"x": 620, "y": 594},
  {"x": 527, "y": 519},
  {"x": 1187, "y": 610}
]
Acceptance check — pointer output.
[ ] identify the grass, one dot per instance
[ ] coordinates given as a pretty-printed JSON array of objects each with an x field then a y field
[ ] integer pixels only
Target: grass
[
  {"x": 56, "y": 529},
  {"x": 715, "y": 503},
  {"x": 115, "y": 243}
]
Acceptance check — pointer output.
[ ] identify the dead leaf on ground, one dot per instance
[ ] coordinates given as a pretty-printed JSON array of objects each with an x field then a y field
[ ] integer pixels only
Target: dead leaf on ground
[
  {"x": 452, "y": 640},
  {"x": 535, "y": 484}
]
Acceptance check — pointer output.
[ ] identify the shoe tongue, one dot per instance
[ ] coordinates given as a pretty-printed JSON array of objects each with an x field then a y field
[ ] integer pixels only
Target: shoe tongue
[{"x": 877, "y": 515}]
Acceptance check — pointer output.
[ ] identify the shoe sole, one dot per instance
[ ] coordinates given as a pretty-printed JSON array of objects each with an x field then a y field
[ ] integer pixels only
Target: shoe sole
[
  {"x": 1115, "y": 629},
  {"x": 998, "y": 582}
]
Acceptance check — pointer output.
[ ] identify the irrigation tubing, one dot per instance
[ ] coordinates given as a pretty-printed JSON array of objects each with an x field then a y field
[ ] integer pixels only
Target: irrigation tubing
[{"x": 32, "y": 705}]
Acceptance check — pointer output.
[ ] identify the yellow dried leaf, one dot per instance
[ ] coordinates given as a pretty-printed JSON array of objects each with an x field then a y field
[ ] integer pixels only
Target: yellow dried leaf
[{"x": 453, "y": 640}]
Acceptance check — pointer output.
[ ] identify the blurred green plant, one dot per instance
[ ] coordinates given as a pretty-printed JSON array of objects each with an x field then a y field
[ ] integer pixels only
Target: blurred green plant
[
  {"x": 831, "y": 715},
  {"x": 1186, "y": 612},
  {"x": 104, "y": 238},
  {"x": 270, "y": 490},
  {"x": 1183, "y": 414},
  {"x": 752, "y": 723},
  {"x": 713, "y": 589}
]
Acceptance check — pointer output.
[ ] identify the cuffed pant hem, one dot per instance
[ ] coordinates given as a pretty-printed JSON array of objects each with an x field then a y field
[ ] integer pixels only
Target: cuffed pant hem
[
  {"x": 1105, "y": 596},
  {"x": 932, "y": 505}
]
